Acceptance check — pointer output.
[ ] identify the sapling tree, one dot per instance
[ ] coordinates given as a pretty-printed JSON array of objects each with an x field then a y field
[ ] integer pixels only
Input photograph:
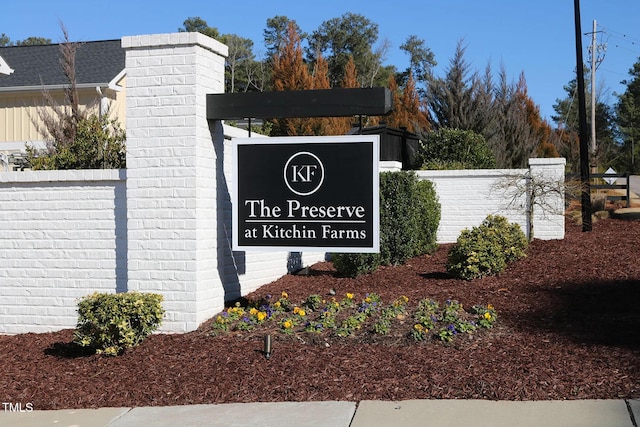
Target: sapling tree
[
  {"x": 536, "y": 190},
  {"x": 76, "y": 138}
]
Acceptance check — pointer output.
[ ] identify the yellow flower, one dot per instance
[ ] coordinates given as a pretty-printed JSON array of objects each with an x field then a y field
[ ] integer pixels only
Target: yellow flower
[
  {"x": 302, "y": 312},
  {"x": 261, "y": 316},
  {"x": 253, "y": 311},
  {"x": 219, "y": 319},
  {"x": 367, "y": 300},
  {"x": 490, "y": 307},
  {"x": 277, "y": 304},
  {"x": 349, "y": 295},
  {"x": 287, "y": 324},
  {"x": 487, "y": 315},
  {"x": 285, "y": 295},
  {"x": 233, "y": 310},
  {"x": 296, "y": 310},
  {"x": 418, "y": 327}
]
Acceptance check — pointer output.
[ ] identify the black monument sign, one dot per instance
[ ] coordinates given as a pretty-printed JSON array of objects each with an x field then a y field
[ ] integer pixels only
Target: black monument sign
[{"x": 306, "y": 193}]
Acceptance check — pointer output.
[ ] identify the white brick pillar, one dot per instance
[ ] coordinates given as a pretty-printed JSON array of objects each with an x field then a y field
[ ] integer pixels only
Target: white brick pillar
[
  {"x": 548, "y": 214},
  {"x": 171, "y": 173}
]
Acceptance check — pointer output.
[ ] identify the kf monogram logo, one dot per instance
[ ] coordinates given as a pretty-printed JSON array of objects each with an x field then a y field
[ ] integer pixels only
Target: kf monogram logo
[{"x": 304, "y": 173}]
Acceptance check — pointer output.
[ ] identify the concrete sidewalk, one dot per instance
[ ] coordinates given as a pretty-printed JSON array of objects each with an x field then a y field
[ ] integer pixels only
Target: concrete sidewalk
[{"x": 423, "y": 413}]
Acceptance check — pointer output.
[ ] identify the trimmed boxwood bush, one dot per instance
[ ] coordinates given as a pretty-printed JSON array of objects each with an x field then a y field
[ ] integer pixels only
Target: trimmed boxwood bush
[
  {"x": 448, "y": 148},
  {"x": 398, "y": 221},
  {"x": 111, "y": 323},
  {"x": 409, "y": 219},
  {"x": 427, "y": 217},
  {"x": 355, "y": 264},
  {"x": 487, "y": 249}
]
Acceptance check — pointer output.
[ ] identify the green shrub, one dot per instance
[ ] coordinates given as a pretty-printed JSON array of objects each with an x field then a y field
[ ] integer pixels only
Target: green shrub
[
  {"x": 99, "y": 143},
  {"x": 427, "y": 217},
  {"x": 487, "y": 249},
  {"x": 111, "y": 323},
  {"x": 398, "y": 222},
  {"x": 409, "y": 219},
  {"x": 355, "y": 264},
  {"x": 454, "y": 149}
]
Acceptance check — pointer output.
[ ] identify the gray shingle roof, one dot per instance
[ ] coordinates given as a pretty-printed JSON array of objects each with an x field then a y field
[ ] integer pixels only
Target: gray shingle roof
[{"x": 96, "y": 62}]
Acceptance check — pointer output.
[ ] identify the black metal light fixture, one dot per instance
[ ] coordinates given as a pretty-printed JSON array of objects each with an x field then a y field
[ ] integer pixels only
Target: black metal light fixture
[{"x": 267, "y": 346}]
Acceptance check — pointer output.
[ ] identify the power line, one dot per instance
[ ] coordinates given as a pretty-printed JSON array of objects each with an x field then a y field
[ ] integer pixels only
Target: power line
[
  {"x": 621, "y": 35},
  {"x": 622, "y": 39}
]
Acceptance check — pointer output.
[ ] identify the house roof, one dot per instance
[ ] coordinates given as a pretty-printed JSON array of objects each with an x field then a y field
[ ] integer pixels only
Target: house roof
[{"x": 97, "y": 63}]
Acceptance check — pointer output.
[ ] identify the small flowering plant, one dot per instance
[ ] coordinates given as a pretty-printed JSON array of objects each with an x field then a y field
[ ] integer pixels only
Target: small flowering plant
[
  {"x": 447, "y": 321},
  {"x": 419, "y": 332},
  {"x": 287, "y": 325},
  {"x": 487, "y": 315},
  {"x": 351, "y": 317}
]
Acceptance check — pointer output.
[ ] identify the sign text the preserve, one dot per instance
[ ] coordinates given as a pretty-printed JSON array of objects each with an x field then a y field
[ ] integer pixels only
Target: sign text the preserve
[{"x": 306, "y": 193}]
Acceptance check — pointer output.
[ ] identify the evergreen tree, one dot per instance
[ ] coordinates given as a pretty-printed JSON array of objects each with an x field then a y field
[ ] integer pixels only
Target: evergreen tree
[
  {"x": 350, "y": 35},
  {"x": 29, "y": 41},
  {"x": 628, "y": 120},
  {"x": 291, "y": 73},
  {"x": 239, "y": 63},
  {"x": 198, "y": 25},
  {"x": 566, "y": 119},
  {"x": 408, "y": 110},
  {"x": 421, "y": 62},
  {"x": 449, "y": 99},
  {"x": 33, "y": 41},
  {"x": 275, "y": 35}
]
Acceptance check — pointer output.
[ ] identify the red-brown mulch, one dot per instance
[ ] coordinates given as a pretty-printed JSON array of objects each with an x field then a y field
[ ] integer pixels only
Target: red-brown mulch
[{"x": 569, "y": 322}]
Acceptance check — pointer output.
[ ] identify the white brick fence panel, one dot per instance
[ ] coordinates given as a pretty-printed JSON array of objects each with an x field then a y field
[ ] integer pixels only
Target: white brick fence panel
[
  {"x": 63, "y": 236},
  {"x": 468, "y": 196}
]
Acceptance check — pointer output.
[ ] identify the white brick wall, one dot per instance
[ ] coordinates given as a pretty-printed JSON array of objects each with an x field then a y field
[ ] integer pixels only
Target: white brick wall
[
  {"x": 63, "y": 236},
  {"x": 163, "y": 225},
  {"x": 548, "y": 216},
  {"x": 468, "y": 196}
]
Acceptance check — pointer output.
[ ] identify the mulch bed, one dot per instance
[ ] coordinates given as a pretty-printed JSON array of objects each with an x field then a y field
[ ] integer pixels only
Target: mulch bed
[{"x": 569, "y": 316}]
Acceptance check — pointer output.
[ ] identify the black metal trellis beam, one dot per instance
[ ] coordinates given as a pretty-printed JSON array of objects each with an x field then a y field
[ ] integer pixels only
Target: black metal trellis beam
[{"x": 338, "y": 102}]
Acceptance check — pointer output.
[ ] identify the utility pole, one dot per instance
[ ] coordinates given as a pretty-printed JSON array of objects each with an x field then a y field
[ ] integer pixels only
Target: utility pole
[
  {"x": 582, "y": 113},
  {"x": 597, "y": 56},
  {"x": 593, "y": 92}
]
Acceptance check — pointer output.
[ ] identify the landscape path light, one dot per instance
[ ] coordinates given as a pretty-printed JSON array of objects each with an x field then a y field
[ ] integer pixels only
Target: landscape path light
[{"x": 267, "y": 346}]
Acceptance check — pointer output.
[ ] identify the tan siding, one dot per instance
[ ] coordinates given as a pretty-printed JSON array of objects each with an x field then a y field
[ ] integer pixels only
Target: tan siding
[{"x": 18, "y": 109}]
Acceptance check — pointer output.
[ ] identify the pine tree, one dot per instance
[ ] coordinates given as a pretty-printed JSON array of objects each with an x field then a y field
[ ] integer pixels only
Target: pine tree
[
  {"x": 327, "y": 125},
  {"x": 628, "y": 121},
  {"x": 291, "y": 73},
  {"x": 415, "y": 116}
]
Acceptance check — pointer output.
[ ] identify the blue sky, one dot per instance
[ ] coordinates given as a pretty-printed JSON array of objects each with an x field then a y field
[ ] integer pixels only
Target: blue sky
[{"x": 534, "y": 37}]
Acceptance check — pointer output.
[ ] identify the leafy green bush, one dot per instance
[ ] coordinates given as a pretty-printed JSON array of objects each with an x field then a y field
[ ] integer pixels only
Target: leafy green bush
[
  {"x": 427, "y": 217},
  {"x": 454, "y": 149},
  {"x": 409, "y": 219},
  {"x": 397, "y": 217},
  {"x": 98, "y": 143},
  {"x": 487, "y": 249},
  {"x": 355, "y": 264},
  {"x": 111, "y": 323}
]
